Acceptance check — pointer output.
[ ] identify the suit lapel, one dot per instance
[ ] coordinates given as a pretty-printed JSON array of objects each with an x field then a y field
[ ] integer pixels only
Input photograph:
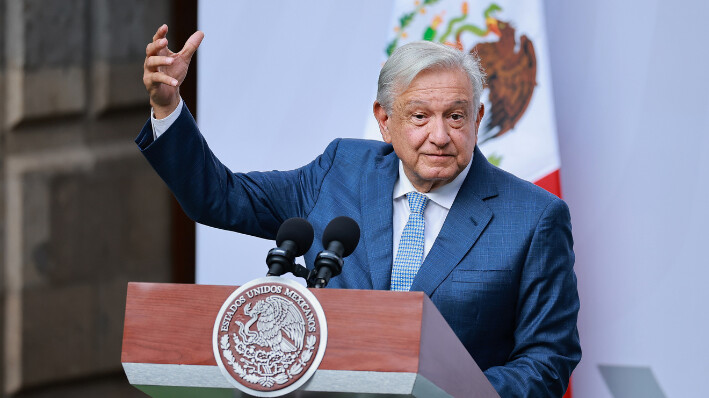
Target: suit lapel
[
  {"x": 377, "y": 191},
  {"x": 466, "y": 220}
]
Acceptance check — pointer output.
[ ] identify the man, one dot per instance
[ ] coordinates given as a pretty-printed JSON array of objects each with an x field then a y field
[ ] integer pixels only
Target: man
[{"x": 493, "y": 252}]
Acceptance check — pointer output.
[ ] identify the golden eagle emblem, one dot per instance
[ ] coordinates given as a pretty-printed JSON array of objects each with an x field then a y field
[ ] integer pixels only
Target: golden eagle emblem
[
  {"x": 511, "y": 66},
  {"x": 511, "y": 78}
]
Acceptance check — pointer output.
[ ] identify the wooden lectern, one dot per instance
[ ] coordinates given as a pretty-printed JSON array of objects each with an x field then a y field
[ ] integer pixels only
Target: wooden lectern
[{"x": 380, "y": 344}]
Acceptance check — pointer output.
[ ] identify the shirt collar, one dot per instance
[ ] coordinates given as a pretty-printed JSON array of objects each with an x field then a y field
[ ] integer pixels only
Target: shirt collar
[{"x": 443, "y": 195}]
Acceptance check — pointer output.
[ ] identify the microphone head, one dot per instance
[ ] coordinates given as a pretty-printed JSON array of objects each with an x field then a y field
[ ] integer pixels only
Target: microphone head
[
  {"x": 344, "y": 230},
  {"x": 297, "y": 230}
]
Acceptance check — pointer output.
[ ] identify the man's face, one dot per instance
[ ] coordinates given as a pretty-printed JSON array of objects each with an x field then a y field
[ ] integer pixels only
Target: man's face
[{"x": 432, "y": 127}]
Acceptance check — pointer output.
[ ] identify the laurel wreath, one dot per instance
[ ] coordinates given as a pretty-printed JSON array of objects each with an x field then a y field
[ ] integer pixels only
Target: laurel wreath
[
  {"x": 226, "y": 351},
  {"x": 268, "y": 381},
  {"x": 304, "y": 357}
]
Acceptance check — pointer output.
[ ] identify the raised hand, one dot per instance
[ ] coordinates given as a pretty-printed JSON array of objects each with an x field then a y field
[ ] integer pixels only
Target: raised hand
[{"x": 164, "y": 71}]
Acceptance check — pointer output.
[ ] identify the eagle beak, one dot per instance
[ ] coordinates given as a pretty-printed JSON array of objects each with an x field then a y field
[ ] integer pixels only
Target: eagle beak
[{"x": 493, "y": 26}]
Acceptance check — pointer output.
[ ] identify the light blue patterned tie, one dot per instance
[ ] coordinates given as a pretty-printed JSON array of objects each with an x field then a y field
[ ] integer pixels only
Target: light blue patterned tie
[{"x": 410, "y": 254}]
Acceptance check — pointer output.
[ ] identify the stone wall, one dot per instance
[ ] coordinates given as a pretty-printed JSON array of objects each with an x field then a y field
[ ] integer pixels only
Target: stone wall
[
  {"x": 81, "y": 212},
  {"x": 2, "y": 194}
]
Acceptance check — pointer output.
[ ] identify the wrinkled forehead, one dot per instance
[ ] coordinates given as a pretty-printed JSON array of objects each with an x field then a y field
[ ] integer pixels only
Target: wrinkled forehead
[
  {"x": 402, "y": 82},
  {"x": 464, "y": 84}
]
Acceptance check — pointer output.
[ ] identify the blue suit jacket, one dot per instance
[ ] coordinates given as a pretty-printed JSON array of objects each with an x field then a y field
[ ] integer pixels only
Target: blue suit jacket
[{"x": 500, "y": 271}]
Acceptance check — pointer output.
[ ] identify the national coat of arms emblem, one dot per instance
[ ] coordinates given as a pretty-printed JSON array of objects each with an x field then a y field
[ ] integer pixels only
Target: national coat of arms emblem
[{"x": 270, "y": 336}]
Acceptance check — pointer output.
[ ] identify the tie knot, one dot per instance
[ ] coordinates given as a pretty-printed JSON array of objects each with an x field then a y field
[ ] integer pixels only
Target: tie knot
[{"x": 417, "y": 202}]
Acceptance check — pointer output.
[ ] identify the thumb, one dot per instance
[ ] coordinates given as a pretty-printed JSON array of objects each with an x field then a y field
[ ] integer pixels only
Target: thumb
[{"x": 192, "y": 44}]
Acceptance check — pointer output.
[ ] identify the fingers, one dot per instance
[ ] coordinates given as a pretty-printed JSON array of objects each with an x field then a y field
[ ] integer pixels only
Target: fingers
[
  {"x": 192, "y": 44},
  {"x": 161, "y": 32},
  {"x": 155, "y": 47},
  {"x": 154, "y": 62},
  {"x": 154, "y": 78},
  {"x": 159, "y": 41}
]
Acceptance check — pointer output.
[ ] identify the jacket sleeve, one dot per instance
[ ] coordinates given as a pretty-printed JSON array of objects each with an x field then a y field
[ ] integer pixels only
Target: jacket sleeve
[
  {"x": 547, "y": 346},
  {"x": 253, "y": 203}
]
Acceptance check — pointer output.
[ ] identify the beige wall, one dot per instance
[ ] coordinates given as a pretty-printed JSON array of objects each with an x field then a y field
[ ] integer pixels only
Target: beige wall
[{"x": 81, "y": 212}]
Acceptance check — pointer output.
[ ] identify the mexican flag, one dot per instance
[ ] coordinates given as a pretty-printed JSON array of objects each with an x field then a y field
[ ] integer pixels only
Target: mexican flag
[{"x": 518, "y": 132}]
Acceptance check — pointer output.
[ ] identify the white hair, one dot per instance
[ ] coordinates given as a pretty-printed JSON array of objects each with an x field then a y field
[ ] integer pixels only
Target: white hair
[{"x": 413, "y": 58}]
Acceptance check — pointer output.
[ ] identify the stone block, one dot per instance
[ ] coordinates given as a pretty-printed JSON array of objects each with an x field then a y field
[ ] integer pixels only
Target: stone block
[
  {"x": 113, "y": 220},
  {"x": 148, "y": 235},
  {"x": 35, "y": 228},
  {"x": 44, "y": 93},
  {"x": 108, "y": 318},
  {"x": 87, "y": 220},
  {"x": 122, "y": 28},
  {"x": 3, "y": 106},
  {"x": 58, "y": 332},
  {"x": 119, "y": 125},
  {"x": 45, "y": 59},
  {"x": 2, "y": 262},
  {"x": 48, "y": 33},
  {"x": 107, "y": 217},
  {"x": 117, "y": 86},
  {"x": 72, "y": 331},
  {"x": 2, "y": 74},
  {"x": 120, "y": 32},
  {"x": 3, "y": 226},
  {"x": 2, "y": 42},
  {"x": 106, "y": 386}
]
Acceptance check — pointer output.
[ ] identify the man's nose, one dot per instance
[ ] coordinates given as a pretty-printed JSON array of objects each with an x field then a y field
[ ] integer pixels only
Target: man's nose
[{"x": 438, "y": 133}]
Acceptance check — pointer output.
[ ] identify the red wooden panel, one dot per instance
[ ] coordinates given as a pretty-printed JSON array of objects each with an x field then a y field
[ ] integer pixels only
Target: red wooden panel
[{"x": 367, "y": 330}]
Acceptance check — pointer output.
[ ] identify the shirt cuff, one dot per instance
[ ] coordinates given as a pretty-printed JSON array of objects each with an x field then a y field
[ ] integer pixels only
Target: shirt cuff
[{"x": 161, "y": 125}]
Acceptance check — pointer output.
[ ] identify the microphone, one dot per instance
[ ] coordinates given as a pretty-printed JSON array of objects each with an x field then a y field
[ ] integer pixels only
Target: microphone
[
  {"x": 339, "y": 239},
  {"x": 294, "y": 238}
]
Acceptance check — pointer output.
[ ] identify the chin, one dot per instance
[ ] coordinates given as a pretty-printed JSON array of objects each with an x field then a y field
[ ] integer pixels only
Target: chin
[
  {"x": 444, "y": 173},
  {"x": 440, "y": 176}
]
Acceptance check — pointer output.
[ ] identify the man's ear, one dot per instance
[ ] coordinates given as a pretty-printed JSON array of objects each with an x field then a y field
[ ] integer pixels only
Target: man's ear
[
  {"x": 382, "y": 120},
  {"x": 481, "y": 113}
]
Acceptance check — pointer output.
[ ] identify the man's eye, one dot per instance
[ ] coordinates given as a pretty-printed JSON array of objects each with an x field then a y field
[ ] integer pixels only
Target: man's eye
[
  {"x": 456, "y": 116},
  {"x": 419, "y": 116}
]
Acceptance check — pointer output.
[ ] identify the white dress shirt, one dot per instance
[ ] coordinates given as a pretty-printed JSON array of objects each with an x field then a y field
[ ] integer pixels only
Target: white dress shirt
[
  {"x": 439, "y": 203},
  {"x": 161, "y": 125}
]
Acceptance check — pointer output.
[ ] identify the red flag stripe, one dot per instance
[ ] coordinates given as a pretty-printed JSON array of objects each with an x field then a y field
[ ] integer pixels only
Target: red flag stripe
[{"x": 551, "y": 182}]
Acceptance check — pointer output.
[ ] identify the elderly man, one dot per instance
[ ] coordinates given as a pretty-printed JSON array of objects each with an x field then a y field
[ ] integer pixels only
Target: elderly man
[{"x": 493, "y": 252}]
